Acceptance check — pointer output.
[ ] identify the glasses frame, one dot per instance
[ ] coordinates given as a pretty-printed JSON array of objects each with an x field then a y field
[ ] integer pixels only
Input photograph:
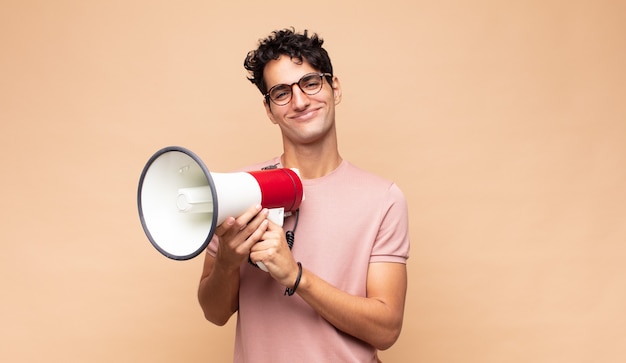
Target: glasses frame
[{"x": 320, "y": 74}]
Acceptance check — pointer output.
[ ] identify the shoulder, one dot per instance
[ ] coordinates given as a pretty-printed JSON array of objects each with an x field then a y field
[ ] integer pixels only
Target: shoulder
[
  {"x": 351, "y": 183},
  {"x": 359, "y": 176}
]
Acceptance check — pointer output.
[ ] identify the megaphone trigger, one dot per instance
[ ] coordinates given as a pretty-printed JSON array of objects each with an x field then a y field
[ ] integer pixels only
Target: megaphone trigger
[
  {"x": 262, "y": 266},
  {"x": 276, "y": 215}
]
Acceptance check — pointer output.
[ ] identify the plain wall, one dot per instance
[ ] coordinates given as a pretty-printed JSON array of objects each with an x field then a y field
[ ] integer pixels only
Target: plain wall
[{"x": 503, "y": 122}]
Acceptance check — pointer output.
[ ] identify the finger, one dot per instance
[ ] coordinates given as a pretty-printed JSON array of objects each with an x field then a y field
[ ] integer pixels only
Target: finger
[
  {"x": 246, "y": 217},
  {"x": 259, "y": 231},
  {"x": 252, "y": 226},
  {"x": 274, "y": 227},
  {"x": 254, "y": 238},
  {"x": 247, "y": 237},
  {"x": 239, "y": 223},
  {"x": 225, "y": 226}
]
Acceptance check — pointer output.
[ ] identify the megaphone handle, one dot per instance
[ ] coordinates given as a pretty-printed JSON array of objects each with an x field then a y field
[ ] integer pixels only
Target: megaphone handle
[{"x": 276, "y": 215}]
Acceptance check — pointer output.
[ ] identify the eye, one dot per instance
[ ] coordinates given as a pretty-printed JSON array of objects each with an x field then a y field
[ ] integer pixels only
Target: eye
[
  {"x": 311, "y": 82},
  {"x": 280, "y": 92}
]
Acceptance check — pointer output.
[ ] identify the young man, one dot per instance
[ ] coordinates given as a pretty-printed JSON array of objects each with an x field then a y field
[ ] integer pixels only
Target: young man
[{"x": 338, "y": 295}]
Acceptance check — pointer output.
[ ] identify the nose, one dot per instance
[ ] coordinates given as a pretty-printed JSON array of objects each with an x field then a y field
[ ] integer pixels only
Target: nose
[{"x": 299, "y": 99}]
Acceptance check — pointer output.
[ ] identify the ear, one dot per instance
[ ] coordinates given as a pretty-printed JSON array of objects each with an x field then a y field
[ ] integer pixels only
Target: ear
[
  {"x": 336, "y": 90},
  {"x": 268, "y": 111}
]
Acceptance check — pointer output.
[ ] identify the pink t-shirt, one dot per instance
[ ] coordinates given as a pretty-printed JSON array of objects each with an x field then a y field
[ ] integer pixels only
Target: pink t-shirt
[{"x": 348, "y": 219}]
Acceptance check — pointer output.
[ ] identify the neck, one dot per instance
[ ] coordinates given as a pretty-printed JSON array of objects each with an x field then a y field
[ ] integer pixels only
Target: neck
[
  {"x": 312, "y": 167},
  {"x": 312, "y": 162}
]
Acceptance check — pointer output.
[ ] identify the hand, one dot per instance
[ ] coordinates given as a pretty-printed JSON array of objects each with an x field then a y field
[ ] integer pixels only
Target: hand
[
  {"x": 238, "y": 235},
  {"x": 273, "y": 251}
]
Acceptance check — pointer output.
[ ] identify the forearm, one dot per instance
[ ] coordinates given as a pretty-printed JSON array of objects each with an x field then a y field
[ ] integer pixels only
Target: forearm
[
  {"x": 218, "y": 292},
  {"x": 377, "y": 321}
]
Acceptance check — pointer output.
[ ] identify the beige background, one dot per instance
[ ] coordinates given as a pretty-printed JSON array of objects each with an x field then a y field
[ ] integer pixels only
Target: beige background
[{"x": 503, "y": 122}]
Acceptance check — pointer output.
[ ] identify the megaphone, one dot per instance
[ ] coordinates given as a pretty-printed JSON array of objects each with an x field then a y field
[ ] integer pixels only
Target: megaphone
[{"x": 181, "y": 203}]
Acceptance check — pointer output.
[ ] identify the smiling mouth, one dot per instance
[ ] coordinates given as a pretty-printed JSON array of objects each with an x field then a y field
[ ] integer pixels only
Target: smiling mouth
[{"x": 306, "y": 115}]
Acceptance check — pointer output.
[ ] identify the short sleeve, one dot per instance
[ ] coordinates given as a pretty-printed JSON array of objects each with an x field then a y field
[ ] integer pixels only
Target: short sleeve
[{"x": 392, "y": 242}]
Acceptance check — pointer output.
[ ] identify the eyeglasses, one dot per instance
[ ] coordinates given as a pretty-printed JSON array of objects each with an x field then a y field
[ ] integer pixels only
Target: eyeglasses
[{"x": 310, "y": 84}]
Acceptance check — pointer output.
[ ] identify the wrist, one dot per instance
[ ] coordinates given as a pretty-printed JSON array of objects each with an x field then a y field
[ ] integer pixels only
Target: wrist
[
  {"x": 226, "y": 267},
  {"x": 290, "y": 291}
]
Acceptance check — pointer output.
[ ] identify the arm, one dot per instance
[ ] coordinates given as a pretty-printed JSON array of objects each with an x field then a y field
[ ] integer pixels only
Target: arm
[
  {"x": 375, "y": 319},
  {"x": 218, "y": 291}
]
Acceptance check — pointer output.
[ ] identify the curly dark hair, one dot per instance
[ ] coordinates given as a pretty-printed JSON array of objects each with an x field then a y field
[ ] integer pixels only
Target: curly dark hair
[{"x": 299, "y": 47}]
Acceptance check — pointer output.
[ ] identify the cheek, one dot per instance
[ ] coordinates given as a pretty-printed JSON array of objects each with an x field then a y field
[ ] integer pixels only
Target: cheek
[
  {"x": 273, "y": 118},
  {"x": 270, "y": 115}
]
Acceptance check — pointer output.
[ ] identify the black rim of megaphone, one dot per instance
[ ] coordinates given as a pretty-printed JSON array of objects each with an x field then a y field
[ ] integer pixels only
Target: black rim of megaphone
[{"x": 207, "y": 174}]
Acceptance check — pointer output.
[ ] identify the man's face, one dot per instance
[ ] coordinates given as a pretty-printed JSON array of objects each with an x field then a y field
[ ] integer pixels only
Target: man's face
[{"x": 306, "y": 118}]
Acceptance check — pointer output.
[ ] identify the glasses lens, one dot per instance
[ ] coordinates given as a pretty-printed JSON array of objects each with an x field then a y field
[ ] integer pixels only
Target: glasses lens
[
  {"x": 311, "y": 83},
  {"x": 280, "y": 94}
]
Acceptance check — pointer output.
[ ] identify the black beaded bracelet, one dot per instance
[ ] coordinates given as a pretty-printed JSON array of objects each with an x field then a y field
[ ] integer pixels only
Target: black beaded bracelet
[{"x": 292, "y": 291}]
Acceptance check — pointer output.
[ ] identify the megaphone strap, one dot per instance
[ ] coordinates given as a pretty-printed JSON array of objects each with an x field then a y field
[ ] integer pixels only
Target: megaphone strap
[{"x": 291, "y": 235}]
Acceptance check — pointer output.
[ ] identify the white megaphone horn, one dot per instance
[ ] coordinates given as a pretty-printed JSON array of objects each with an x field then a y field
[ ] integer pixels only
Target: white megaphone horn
[{"x": 181, "y": 203}]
